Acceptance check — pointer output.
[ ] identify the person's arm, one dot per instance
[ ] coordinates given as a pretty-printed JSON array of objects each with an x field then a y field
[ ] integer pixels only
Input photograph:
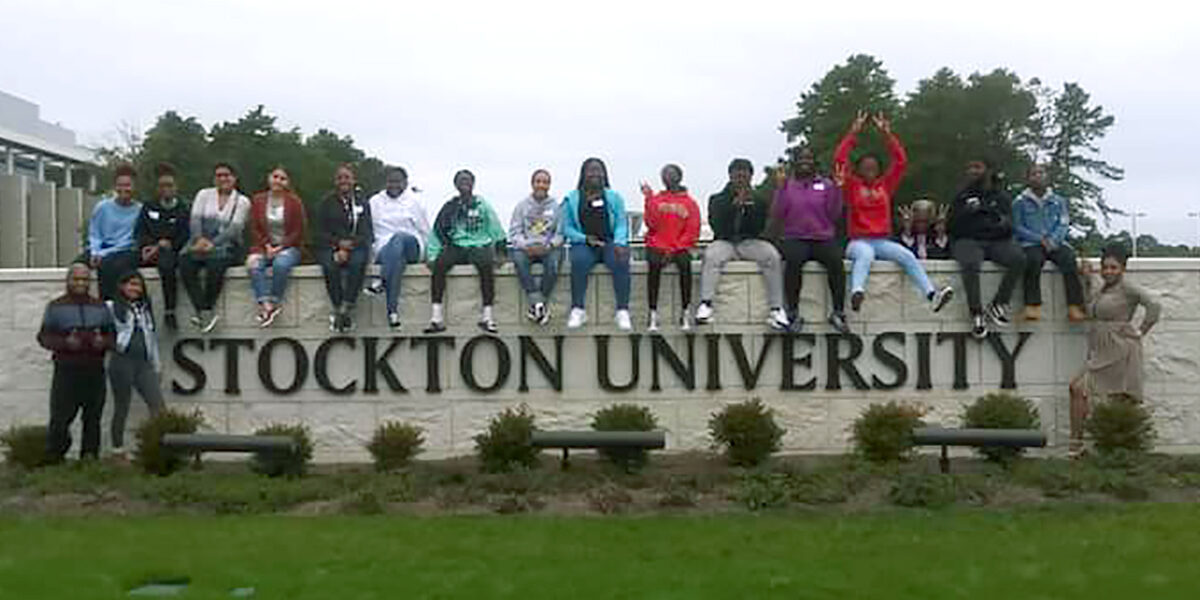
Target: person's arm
[
  {"x": 234, "y": 232},
  {"x": 1152, "y": 306},
  {"x": 49, "y": 336},
  {"x": 196, "y": 222},
  {"x": 183, "y": 227},
  {"x": 841, "y": 155},
  {"x": 571, "y": 228},
  {"x": 1058, "y": 234},
  {"x": 899, "y": 162},
  {"x": 142, "y": 236},
  {"x": 833, "y": 205},
  {"x": 516, "y": 227},
  {"x": 556, "y": 241},
  {"x": 692, "y": 224},
  {"x": 259, "y": 237},
  {"x": 1023, "y": 232},
  {"x": 294, "y": 235},
  {"x": 365, "y": 236},
  {"x": 95, "y": 237},
  {"x": 621, "y": 220},
  {"x": 494, "y": 228},
  {"x": 108, "y": 332}
]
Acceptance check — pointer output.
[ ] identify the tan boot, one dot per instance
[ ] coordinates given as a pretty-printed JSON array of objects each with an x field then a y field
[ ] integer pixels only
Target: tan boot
[
  {"x": 1075, "y": 313},
  {"x": 1033, "y": 313}
]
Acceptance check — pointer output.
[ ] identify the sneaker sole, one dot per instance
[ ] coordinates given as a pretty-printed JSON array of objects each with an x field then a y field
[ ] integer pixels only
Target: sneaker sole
[{"x": 944, "y": 301}]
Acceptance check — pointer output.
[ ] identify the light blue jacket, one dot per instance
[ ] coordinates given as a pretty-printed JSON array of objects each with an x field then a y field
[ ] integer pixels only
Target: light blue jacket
[
  {"x": 617, "y": 220},
  {"x": 1034, "y": 219},
  {"x": 111, "y": 227}
]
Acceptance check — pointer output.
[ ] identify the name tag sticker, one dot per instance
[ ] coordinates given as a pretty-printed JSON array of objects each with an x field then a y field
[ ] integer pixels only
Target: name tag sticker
[
  {"x": 474, "y": 212},
  {"x": 153, "y": 214},
  {"x": 820, "y": 187},
  {"x": 358, "y": 210},
  {"x": 597, "y": 203}
]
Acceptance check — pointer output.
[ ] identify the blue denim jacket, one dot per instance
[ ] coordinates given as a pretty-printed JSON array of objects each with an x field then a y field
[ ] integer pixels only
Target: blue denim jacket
[{"x": 1033, "y": 220}]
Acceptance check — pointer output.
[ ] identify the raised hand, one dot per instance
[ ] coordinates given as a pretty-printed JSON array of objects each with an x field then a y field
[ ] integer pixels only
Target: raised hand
[
  {"x": 860, "y": 121},
  {"x": 905, "y": 216},
  {"x": 841, "y": 173},
  {"x": 647, "y": 190},
  {"x": 882, "y": 123}
]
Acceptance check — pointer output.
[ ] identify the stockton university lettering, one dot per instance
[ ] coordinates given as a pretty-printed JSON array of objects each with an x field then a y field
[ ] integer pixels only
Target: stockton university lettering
[{"x": 670, "y": 357}]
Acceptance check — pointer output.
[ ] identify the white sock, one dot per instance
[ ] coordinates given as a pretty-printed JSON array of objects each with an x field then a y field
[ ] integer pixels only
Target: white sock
[
  {"x": 437, "y": 316},
  {"x": 487, "y": 313}
]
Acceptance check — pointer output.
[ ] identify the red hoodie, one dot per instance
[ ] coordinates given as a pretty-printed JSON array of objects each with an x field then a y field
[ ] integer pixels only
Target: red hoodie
[
  {"x": 870, "y": 204},
  {"x": 667, "y": 231}
]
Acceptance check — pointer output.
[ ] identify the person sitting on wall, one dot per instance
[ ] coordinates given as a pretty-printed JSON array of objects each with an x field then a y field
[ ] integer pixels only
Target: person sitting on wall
[
  {"x": 277, "y": 221},
  {"x": 466, "y": 230},
  {"x": 135, "y": 361},
  {"x": 672, "y": 220},
  {"x": 596, "y": 226},
  {"x": 79, "y": 330},
  {"x": 868, "y": 197},
  {"x": 111, "y": 232},
  {"x": 343, "y": 245},
  {"x": 738, "y": 217},
  {"x": 1041, "y": 222},
  {"x": 535, "y": 238},
  {"x": 981, "y": 227},
  {"x": 808, "y": 206},
  {"x": 217, "y": 227},
  {"x": 400, "y": 226},
  {"x": 162, "y": 233},
  {"x": 923, "y": 229}
]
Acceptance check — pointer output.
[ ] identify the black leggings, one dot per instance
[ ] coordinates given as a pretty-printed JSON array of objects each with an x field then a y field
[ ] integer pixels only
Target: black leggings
[
  {"x": 658, "y": 261},
  {"x": 204, "y": 276},
  {"x": 829, "y": 254},
  {"x": 484, "y": 260}
]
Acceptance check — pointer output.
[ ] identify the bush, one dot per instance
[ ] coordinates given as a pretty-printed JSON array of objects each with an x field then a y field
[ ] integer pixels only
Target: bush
[
  {"x": 625, "y": 417},
  {"x": 923, "y": 490},
  {"x": 285, "y": 463},
  {"x": 25, "y": 446},
  {"x": 394, "y": 445},
  {"x": 506, "y": 443},
  {"x": 883, "y": 433},
  {"x": 1120, "y": 424},
  {"x": 764, "y": 490},
  {"x": 748, "y": 432},
  {"x": 1001, "y": 411},
  {"x": 150, "y": 455}
]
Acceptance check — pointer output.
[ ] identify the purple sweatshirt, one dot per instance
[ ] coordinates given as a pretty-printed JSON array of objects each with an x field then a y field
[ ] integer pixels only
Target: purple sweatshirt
[{"x": 808, "y": 208}]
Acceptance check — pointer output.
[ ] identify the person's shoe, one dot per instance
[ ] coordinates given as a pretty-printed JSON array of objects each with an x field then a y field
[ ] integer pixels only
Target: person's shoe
[
  {"x": 704, "y": 313},
  {"x": 393, "y": 320},
  {"x": 211, "y": 323},
  {"x": 532, "y": 313},
  {"x": 260, "y": 315},
  {"x": 348, "y": 325},
  {"x": 197, "y": 321},
  {"x": 333, "y": 323},
  {"x": 543, "y": 315},
  {"x": 652, "y": 326},
  {"x": 623, "y": 320},
  {"x": 777, "y": 320},
  {"x": 269, "y": 318},
  {"x": 577, "y": 318},
  {"x": 939, "y": 299},
  {"x": 488, "y": 325},
  {"x": 118, "y": 453},
  {"x": 797, "y": 325},
  {"x": 856, "y": 300},
  {"x": 978, "y": 326},
  {"x": 685, "y": 322},
  {"x": 435, "y": 327},
  {"x": 1076, "y": 314},
  {"x": 1033, "y": 313},
  {"x": 169, "y": 321},
  {"x": 837, "y": 320},
  {"x": 375, "y": 288},
  {"x": 998, "y": 315}
]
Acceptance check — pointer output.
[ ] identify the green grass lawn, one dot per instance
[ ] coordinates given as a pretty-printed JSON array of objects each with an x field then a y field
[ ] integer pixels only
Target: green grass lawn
[{"x": 1149, "y": 551}]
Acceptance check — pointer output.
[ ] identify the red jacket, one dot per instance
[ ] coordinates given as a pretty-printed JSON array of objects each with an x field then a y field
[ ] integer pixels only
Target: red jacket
[
  {"x": 869, "y": 205},
  {"x": 293, "y": 223},
  {"x": 667, "y": 231}
]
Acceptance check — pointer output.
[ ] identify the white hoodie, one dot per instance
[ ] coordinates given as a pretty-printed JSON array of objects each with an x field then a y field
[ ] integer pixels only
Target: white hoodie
[{"x": 404, "y": 214}]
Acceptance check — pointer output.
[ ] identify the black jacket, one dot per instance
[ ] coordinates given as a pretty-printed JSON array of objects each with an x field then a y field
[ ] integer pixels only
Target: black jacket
[
  {"x": 733, "y": 222},
  {"x": 981, "y": 212},
  {"x": 157, "y": 223},
  {"x": 335, "y": 223}
]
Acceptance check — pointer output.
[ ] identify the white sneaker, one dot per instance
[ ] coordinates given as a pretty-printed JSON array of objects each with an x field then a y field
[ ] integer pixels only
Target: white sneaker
[
  {"x": 778, "y": 320},
  {"x": 211, "y": 324},
  {"x": 685, "y": 322},
  {"x": 624, "y": 321},
  {"x": 704, "y": 313},
  {"x": 653, "y": 325},
  {"x": 577, "y": 318}
]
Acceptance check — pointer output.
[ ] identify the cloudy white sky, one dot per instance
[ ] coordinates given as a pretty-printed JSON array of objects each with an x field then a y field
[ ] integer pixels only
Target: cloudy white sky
[{"x": 505, "y": 87}]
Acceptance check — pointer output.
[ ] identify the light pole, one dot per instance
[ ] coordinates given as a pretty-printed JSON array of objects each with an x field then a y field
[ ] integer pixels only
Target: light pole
[
  {"x": 1196, "y": 216},
  {"x": 1133, "y": 216}
]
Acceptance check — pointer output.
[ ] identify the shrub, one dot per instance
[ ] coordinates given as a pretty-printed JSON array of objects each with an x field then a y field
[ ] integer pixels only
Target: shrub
[
  {"x": 748, "y": 432},
  {"x": 1120, "y": 424},
  {"x": 923, "y": 490},
  {"x": 506, "y": 443},
  {"x": 394, "y": 445},
  {"x": 883, "y": 433},
  {"x": 1001, "y": 411},
  {"x": 764, "y": 490},
  {"x": 150, "y": 455},
  {"x": 625, "y": 417},
  {"x": 286, "y": 463},
  {"x": 610, "y": 499},
  {"x": 25, "y": 446}
]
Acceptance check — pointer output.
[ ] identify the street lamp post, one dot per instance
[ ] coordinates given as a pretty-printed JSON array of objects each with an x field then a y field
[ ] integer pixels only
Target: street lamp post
[
  {"x": 1196, "y": 216},
  {"x": 1133, "y": 216}
]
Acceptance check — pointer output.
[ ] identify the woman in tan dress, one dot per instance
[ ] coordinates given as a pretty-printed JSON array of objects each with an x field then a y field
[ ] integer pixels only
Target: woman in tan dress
[{"x": 1114, "y": 350}]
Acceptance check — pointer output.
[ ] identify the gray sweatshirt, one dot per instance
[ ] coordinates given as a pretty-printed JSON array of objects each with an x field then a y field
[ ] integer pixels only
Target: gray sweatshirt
[{"x": 536, "y": 222}]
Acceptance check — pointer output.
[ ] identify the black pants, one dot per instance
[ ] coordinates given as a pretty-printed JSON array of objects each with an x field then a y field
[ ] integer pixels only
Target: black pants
[
  {"x": 658, "y": 261},
  {"x": 1064, "y": 258},
  {"x": 343, "y": 282},
  {"x": 168, "y": 263},
  {"x": 829, "y": 254},
  {"x": 204, "y": 277},
  {"x": 970, "y": 254},
  {"x": 112, "y": 267},
  {"x": 484, "y": 259},
  {"x": 75, "y": 388}
]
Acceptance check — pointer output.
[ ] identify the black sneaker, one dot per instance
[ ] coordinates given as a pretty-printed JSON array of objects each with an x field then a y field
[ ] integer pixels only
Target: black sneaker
[
  {"x": 856, "y": 300},
  {"x": 394, "y": 321},
  {"x": 488, "y": 325},
  {"x": 797, "y": 324},
  {"x": 435, "y": 327},
  {"x": 837, "y": 320},
  {"x": 170, "y": 322},
  {"x": 346, "y": 324},
  {"x": 532, "y": 314},
  {"x": 543, "y": 314},
  {"x": 978, "y": 326},
  {"x": 375, "y": 288},
  {"x": 998, "y": 314}
]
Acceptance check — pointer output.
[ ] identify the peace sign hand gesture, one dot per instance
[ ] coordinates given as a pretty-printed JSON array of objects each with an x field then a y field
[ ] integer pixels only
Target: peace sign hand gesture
[
  {"x": 860, "y": 121},
  {"x": 840, "y": 174},
  {"x": 882, "y": 123},
  {"x": 646, "y": 189}
]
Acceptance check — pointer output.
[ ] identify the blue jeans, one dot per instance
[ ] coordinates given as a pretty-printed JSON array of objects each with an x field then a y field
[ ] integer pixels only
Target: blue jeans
[
  {"x": 393, "y": 259},
  {"x": 537, "y": 291},
  {"x": 273, "y": 289},
  {"x": 863, "y": 251},
  {"x": 583, "y": 258}
]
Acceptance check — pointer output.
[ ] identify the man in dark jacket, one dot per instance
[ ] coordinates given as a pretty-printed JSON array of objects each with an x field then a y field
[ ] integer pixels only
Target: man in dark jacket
[
  {"x": 738, "y": 217},
  {"x": 78, "y": 329},
  {"x": 161, "y": 232},
  {"x": 343, "y": 247},
  {"x": 981, "y": 228}
]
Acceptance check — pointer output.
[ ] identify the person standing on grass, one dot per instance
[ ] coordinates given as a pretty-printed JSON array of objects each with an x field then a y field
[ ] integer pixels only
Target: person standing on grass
[
  {"x": 111, "y": 242},
  {"x": 466, "y": 230},
  {"x": 738, "y": 217},
  {"x": 981, "y": 229},
  {"x": 217, "y": 228},
  {"x": 808, "y": 206},
  {"x": 535, "y": 238},
  {"x": 596, "y": 226},
  {"x": 79, "y": 330},
  {"x": 277, "y": 222},
  {"x": 162, "y": 232},
  {"x": 343, "y": 246},
  {"x": 1041, "y": 222},
  {"x": 400, "y": 227},
  {"x": 135, "y": 361},
  {"x": 672, "y": 227},
  {"x": 868, "y": 197}
]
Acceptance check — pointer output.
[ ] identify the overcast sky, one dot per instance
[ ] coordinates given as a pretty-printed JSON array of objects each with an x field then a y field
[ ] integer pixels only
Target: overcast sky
[{"x": 506, "y": 87}]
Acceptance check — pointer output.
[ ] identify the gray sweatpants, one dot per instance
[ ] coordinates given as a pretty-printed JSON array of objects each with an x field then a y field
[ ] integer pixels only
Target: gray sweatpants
[
  {"x": 762, "y": 252},
  {"x": 125, "y": 374}
]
